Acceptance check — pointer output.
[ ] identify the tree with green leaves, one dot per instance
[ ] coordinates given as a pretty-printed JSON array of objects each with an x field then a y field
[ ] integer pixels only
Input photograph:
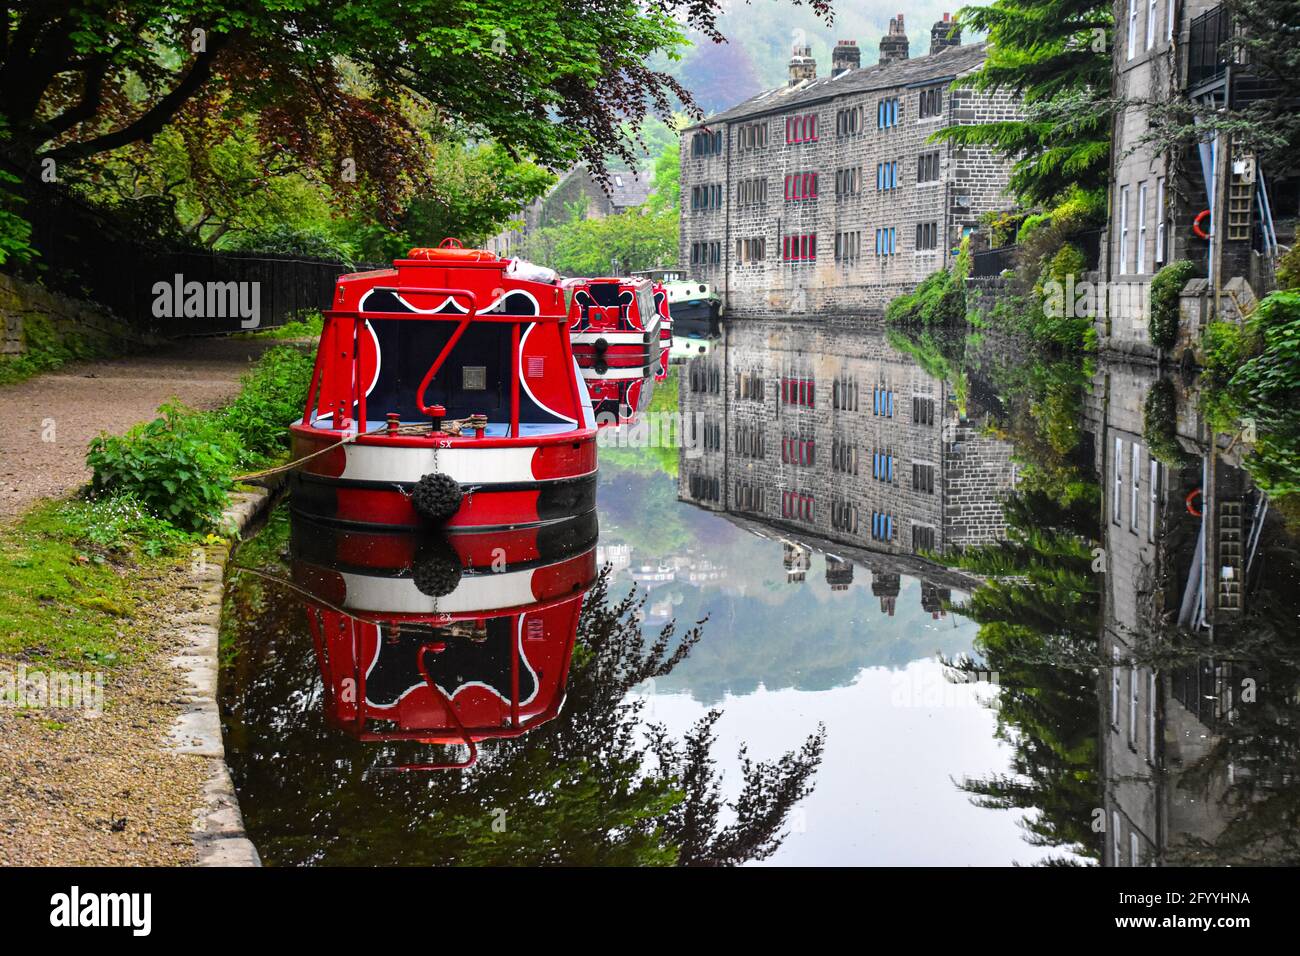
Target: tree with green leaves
[
  {"x": 332, "y": 78},
  {"x": 1054, "y": 54}
]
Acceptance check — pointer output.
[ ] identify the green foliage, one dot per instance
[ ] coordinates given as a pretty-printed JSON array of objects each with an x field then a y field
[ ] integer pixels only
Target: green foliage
[
  {"x": 272, "y": 395},
  {"x": 473, "y": 190},
  {"x": 940, "y": 299},
  {"x": 667, "y": 195},
  {"x": 1288, "y": 270},
  {"x": 177, "y": 465},
  {"x": 1038, "y": 610},
  {"x": 627, "y": 242},
  {"x": 293, "y": 240},
  {"x": 1166, "y": 286},
  {"x": 1223, "y": 349},
  {"x": 309, "y": 327},
  {"x": 117, "y": 525},
  {"x": 1160, "y": 424},
  {"x": 1055, "y": 54},
  {"x": 15, "y": 231},
  {"x": 73, "y": 575},
  {"x": 1265, "y": 389}
]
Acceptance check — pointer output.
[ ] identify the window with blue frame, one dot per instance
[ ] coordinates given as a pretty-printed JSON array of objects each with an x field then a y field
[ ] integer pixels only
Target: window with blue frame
[
  {"x": 887, "y": 175},
  {"x": 882, "y": 526},
  {"x": 882, "y": 465},
  {"x": 882, "y": 401},
  {"x": 886, "y": 241},
  {"x": 887, "y": 113}
]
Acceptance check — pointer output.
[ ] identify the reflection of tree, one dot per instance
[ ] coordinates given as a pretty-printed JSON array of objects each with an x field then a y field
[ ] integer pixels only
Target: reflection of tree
[
  {"x": 590, "y": 787},
  {"x": 1038, "y": 614}
]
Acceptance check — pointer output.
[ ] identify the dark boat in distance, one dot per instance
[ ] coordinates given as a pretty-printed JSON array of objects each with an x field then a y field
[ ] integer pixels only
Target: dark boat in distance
[{"x": 695, "y": 309}]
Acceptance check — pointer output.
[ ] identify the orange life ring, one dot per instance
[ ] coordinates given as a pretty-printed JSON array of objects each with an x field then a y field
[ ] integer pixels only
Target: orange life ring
[
  {"x": 1196, "y": 224},
  {"x": 450, "y": 249},
  {"x": 1191, "y": 496}
]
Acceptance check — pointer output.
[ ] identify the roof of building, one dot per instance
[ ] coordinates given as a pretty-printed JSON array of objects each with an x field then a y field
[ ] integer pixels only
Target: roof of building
[
  {"x": 948, "y": 63},
  {"x": 627, "y": 189}
]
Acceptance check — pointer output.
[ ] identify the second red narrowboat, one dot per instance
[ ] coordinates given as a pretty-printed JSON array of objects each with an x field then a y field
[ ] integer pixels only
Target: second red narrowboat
[
  {"x": 665, "y": 330},
  {"x": 614, "y": 324},
  {"x": 445, "y": 391}
]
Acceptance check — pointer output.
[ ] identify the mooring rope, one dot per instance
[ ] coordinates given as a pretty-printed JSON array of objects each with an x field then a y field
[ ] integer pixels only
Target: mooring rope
[{"x": 453, "y": 427}]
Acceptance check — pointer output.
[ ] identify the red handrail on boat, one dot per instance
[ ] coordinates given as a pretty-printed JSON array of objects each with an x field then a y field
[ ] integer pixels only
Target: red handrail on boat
[{"x": 333, "y": 332}]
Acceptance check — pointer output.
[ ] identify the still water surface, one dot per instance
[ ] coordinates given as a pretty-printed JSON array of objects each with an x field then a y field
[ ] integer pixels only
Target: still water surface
[{"x": 815, "y": 717}]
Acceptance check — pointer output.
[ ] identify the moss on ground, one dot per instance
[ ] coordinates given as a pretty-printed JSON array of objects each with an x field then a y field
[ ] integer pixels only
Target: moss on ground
[{"x": 75, "y": 576}]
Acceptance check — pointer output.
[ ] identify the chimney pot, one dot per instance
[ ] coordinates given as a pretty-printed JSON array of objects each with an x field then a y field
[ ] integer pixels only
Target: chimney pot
[
  {"x": 940, "y": 37},
  {"x": 893, "y": 45}
]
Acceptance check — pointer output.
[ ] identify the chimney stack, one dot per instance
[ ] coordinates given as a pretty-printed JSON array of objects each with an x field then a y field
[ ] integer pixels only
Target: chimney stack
[
  {"x": 893, "y": 45},
  {"x": 846, "y": 56},
  {"x": 939, "y": 38},
  {"x": 802, "y": 65}
]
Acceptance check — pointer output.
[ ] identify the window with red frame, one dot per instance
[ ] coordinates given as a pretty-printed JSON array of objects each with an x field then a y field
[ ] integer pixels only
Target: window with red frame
[
  {"x": 797, "y": 505},
  {"x": 802, "y": 248},
  {"x": 800, "y": 186},
  {"x": 798, "y": 391},
  {"x": 801, "y": 129},
  {"x": 798, "y": 450}
]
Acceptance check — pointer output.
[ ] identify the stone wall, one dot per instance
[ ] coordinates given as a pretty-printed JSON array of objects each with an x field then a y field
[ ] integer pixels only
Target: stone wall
[
  {"x": 740, "y": 463},
  {"x": 22, "y": 302}
]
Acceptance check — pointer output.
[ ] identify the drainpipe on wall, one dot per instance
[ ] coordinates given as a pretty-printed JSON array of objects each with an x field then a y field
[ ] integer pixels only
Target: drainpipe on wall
[{"x": 726, "y": 219}]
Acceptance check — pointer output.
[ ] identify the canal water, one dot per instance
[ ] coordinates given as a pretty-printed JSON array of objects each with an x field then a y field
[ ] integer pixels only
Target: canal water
[{"x": 761, "y": 648}]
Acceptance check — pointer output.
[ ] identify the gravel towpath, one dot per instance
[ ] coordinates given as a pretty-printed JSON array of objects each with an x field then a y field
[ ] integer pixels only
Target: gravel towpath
[
  {"x": 53, "y": 417},
  {"x": 107, "y": 789}
]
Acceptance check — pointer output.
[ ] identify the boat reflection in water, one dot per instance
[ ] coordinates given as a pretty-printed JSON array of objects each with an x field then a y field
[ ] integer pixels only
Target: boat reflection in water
[{"x": 443, "y": 639}]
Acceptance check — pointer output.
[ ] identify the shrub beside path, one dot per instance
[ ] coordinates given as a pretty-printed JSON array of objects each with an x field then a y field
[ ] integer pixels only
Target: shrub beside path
[{"x": 53, "y": 417}]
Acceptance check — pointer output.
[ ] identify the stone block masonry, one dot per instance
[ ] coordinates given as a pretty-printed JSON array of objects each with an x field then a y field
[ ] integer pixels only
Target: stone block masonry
[
  {"x": 829, "y": 195},
  {"x": 824, "y": 428}
]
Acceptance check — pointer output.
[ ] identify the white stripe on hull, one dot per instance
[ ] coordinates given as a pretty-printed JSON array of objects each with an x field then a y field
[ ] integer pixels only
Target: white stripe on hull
[
  {"x": 616, "y": 374},
  {"x": 480, "y": 592},
  {"x": 613, "y": 338},
  {"x": 469, "y": 466}
]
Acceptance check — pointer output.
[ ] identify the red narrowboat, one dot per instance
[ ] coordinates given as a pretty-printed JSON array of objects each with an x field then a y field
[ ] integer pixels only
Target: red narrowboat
[
  {"x": 445, "y": 391},
  {"x": 443, "y": 639},
  {"x": 665, "y": 330},
  {"x": 614, "y": 324}
]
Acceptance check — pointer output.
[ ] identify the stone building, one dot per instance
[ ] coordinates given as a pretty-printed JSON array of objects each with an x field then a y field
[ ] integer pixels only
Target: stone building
[
  {"x": 576, "y": 191},
  {"x": 824, "y": 429},
  {"x": 827, "y": 195},
  {"x": 1166, "y": 48},
  {"x": 1179, "y": 542}
]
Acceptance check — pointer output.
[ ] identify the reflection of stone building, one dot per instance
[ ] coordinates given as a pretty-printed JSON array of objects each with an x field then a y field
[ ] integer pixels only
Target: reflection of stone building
[
  {"x": 616, "y": 554},
  {"x": 832, "y": 440},
  {"x": 1161, "y": 563},
  {"x": 839, "y": 573},
  {"x": 934, "y": 599},
  {"x": 828, "y": 430},
  {"x": 886, "y": 585},
  {"x": 828, "y": 193}
]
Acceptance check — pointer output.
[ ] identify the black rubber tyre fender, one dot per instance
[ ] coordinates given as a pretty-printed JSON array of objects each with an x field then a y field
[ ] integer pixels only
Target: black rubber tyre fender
[
  {"x": 436, "y": 496},
  {"x": 436, "y": 569}
]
